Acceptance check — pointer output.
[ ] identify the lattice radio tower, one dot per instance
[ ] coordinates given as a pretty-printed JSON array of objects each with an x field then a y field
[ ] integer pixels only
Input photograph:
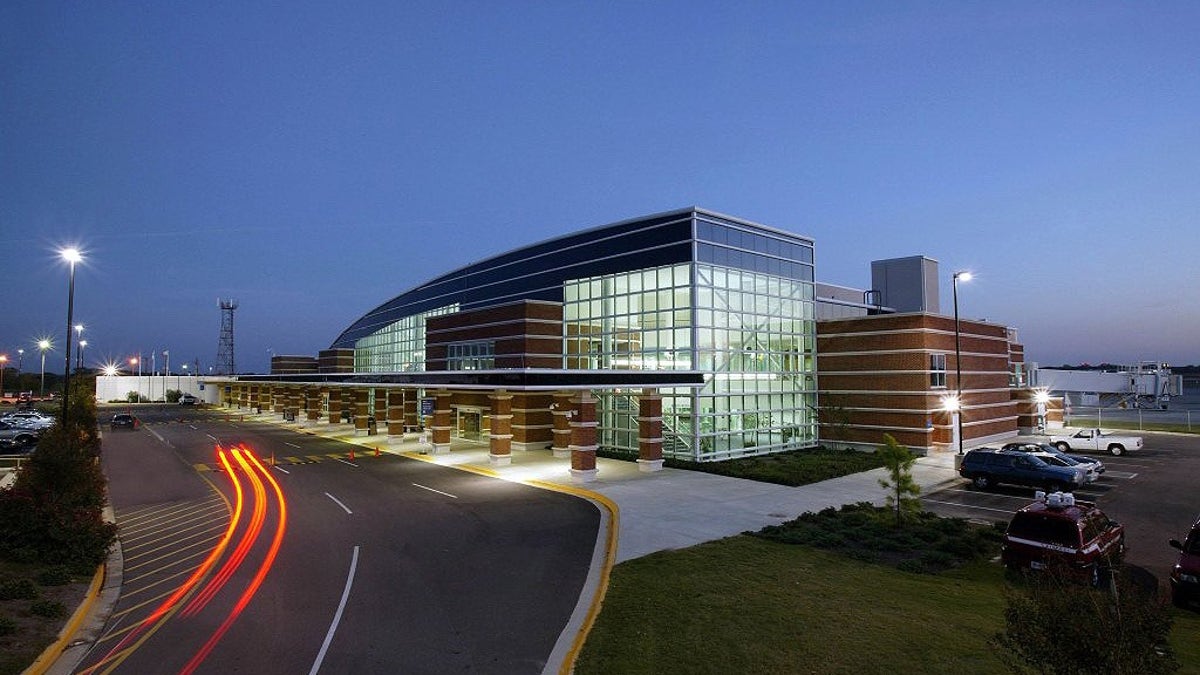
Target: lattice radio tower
[{"x": 225, "y": 365}]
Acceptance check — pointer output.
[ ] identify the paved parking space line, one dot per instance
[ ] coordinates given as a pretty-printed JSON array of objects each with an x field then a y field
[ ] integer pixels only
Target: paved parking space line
[
  {"x": 988, "y": 494},
  {"x": 1119, "y": 474},
  {"x": 968, "y": 506}
]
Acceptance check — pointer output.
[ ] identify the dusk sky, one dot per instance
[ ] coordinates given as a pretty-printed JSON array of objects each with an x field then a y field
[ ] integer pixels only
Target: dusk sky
[{"x": 313, "y": 160}]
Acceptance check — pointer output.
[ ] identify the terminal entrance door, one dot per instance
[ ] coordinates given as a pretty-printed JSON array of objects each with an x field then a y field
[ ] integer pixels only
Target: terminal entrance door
[{"x": 471, "y": 423}]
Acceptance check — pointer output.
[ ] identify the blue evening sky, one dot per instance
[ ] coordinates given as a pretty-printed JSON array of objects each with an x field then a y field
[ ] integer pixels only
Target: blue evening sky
[{"x": 312, "y": 160}]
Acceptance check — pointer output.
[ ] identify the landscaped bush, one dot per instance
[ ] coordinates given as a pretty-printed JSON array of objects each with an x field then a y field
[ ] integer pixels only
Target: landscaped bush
[
  {"x": 797, "y": 467},
  {"x": 925, "y": 543},
  {"x": 7, "y": 626},
  {"x": 49, "y": 609},
  {"x": 18, "y": 589},
  {"x": 57, "y": 575}
]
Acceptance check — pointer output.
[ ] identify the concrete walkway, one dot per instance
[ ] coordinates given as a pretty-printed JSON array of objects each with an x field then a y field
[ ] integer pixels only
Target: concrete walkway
[{"x": 667, "y": 509}]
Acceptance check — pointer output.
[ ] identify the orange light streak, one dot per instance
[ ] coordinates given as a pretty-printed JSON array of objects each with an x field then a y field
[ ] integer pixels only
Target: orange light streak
[
  {"x": 196, "y": 576},
  {"x": 264, "y": 568},
  {"x": 243, "y": 548}
]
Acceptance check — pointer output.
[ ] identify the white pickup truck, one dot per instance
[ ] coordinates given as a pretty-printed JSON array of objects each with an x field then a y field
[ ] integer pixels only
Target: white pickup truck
[{"x": 1094, "y": 440}]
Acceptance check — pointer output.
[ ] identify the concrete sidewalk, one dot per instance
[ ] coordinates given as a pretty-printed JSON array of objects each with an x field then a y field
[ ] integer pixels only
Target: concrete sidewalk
[{"x": 667, "y": 509}]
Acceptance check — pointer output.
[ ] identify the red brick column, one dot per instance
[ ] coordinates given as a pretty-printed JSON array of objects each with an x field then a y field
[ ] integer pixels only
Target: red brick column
[
  {"x": 312, "y": 404},
  {"x": 335, "y": 405},
  {"x": 244, "y": 396},
  {"x": 361, "y": 411},
  {"x": 295, "y": 400},
  {"x": 381, "y": 408},
  {"x": 412, "y": 421},
  {"x": 278, "y": 399},
  {"x": 562, "y": 408},
  {"x": 500, "y": 452},
  {"x": 441, "y": 423},
  {"x": 650, "y": 438},
  {"x": 395, "y": 415},
  {"x": 583, "y": 439},
  {"x": 252, "y": 397}
]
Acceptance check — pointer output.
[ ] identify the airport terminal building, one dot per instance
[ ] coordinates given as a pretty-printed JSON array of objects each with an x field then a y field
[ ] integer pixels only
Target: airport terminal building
[{"x": 687, "y": 334}]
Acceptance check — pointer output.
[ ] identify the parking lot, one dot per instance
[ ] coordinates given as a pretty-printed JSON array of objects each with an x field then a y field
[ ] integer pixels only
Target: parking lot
[{"x": 1152, "y": 491}]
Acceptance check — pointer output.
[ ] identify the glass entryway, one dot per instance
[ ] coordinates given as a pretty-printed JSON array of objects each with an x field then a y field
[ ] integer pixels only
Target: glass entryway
[{"x": 472, "y": 423}]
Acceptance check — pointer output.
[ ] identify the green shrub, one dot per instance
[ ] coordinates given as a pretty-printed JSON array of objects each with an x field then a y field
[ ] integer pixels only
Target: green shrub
[
  {"x": 58, "y": 575},
  {"x": 18, "y": 589},
  {"x": 50, "y": 609}
]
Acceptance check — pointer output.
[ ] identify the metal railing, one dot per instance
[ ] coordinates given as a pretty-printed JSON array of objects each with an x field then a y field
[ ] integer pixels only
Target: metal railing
[{"x": 1135, "y": 418}]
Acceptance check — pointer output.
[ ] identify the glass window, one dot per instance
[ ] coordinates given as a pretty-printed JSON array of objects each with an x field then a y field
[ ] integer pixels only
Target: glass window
[{"x": 937, "y": 371}]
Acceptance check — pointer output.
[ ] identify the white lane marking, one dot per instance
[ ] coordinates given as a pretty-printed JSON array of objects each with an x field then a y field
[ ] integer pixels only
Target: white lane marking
[
  {"x": 968, "y": 506},
  {"x": 347, "y": 463},
  {"x": 337, "y": 616},
  {"x": 212, "y": 438},
  {"x": 280, "y": 468},
  {"x": 437, "y": 491},
  {"x": 192, "y": 427},
  {"x": 990, "y": 494},
  {"x": 335, "y": 501},
  {"x": 291, "y": 444},
  {"x": 1118, "y": 474}
]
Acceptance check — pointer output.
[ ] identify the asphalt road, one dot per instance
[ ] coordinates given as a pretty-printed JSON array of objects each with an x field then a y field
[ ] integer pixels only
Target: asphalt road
[
  {"x": 371, "y": 565},
  {"x": 1152, "y": 491}
]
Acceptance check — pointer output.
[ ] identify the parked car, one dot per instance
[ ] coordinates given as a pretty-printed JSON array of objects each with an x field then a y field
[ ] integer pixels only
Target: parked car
[
  {"x": 28, "y": 418},
  {"x": 1056, "y": 531},
  {"x": 1044, "y": 450},
  {"x": 986, "y": 467},
  {"x": 1095, "y": 440},
  {"x": 188, "y": 399},
  {"x": 1185, "y": 576},
  {"x": 123, "y": 421},
  {"x": 18, "y": 437}
]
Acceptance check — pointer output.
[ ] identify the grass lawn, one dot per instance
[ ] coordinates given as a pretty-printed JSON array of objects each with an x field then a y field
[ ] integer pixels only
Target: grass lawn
[{"x": 748, "y": 605}]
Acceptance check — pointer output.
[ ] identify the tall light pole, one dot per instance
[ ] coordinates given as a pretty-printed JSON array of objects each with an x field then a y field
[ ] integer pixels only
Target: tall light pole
[
  {"x": 71, "y": 255},
  {"x": 20, "y": 360},
  {"x": 135, "y": 361},
  {"x": 43, "y": 345},
  {"x": 78, "y": 338},
  {"x": 963, "y": 276},
  {"x": 3, "y": 363}
]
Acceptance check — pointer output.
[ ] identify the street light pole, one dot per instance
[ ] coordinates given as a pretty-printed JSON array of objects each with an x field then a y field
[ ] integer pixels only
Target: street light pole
[
  {"x": 78, "y": 335},
  {"x": 72, "y": 256},
  {"x": 965, "y": 276},
  {"x": 3, "y": 363},
  {"x": 43, "y": 345}
]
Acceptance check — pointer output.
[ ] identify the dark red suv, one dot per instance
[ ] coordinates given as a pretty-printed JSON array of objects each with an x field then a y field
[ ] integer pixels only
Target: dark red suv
[
  {"x": 1185, "y": 576},
  {"x": 1057, "y": 531}
]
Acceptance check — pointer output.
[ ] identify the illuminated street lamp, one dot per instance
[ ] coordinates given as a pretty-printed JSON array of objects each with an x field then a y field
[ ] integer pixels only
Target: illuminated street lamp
[
  {"x": 79, "y": 341},
  {"x": 964, "y": 276},
  {"x": 1041, "y": 397},
  {"x": 20, "y": 360},
  {"x": 135, "y": 361},
  {"x": 43, "y": 345},
  {"x": 3, "y": 363},
  {"x": 72, "y": 256}
]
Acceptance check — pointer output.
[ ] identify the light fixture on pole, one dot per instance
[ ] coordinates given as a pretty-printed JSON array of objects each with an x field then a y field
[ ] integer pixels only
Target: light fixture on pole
[
  {"x": 20, "y": 360},
  {"x": 78, "y": 341},
  {"x": 135, "y": 361},
  {"x": 43, "y": 345},
  {"x": 71, "y": 255},
  {"x": 963, "y": 276},
  {"x": 3, "y": 363}
]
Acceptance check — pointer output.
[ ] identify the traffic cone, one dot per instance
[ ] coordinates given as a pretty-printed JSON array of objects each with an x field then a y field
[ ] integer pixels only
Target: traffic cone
[
  {"x": 351, "y": 454},
  {"x": 377, "y": 451},
  {"x": 272, "y": 458}
]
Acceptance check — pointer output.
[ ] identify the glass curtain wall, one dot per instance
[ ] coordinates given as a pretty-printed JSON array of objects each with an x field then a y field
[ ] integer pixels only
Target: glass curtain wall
[
  {"x": 398, "y": 347},
  {"x": 752, "y": 331}
]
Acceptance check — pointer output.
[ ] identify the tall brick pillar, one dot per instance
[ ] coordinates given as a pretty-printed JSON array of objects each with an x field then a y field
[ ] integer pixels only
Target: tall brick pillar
[
  {"x": 255, "y": 400},
  {"x": 500, "y": 452},
  {"x": 361, "y": 411},
  {"x": 583, "y": 439},
  {"x": 381, "y": 408},
  {"x": 335, "y": 406},
  {"x": 312, "y": 405},
  {"x": 441, "y": 423},
  {"x": 562, "y": 408},
  {"x": 295, "y": 402},
  {"x": 243, "y": 396},
  {"x": 411, "y": 414},
  {"x": 395, "y": 415},
  {"x": 650, "y": 438}
]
